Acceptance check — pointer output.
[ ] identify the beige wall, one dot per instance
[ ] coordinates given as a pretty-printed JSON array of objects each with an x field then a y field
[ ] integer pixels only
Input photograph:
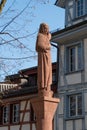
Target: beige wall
[
  {"x": 60, "y": 123},
  {"x": 16, "y": 127},
  {"x": 22, "y": 105},
  {"x": 33, "y": 127},
  {"x": 26, "y": 127},
  {"x": 78, "y": 124},
  {"x": 3, "y": 128}
]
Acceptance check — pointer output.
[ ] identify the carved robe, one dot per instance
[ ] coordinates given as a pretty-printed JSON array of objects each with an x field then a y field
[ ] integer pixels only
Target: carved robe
[{"x": 44, "y": 61}]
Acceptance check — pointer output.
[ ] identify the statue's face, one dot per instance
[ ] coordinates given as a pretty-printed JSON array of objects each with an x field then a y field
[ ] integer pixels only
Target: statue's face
[{"x": 46, "y": 29}]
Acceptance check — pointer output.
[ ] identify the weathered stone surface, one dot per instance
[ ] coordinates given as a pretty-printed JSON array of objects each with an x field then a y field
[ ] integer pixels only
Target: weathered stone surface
[{"x": 44, "y": 108}]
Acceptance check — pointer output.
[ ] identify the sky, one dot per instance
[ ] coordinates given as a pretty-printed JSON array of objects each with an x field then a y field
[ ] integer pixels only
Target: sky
[{"x": 26, "y": 24}]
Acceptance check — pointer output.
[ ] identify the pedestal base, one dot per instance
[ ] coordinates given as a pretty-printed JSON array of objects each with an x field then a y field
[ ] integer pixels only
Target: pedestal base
[{"x": 44, "y": 108}]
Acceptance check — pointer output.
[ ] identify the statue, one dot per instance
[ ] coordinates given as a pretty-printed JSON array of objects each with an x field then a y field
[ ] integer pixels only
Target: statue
[{"x": 43, "y": 48}]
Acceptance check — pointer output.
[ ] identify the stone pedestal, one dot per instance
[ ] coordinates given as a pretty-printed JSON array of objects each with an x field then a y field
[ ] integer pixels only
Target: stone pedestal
[{"x": 44, "y": 108}]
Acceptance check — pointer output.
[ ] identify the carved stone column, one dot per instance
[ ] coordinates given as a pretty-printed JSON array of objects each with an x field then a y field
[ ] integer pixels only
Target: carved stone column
[{"x": 44, "y": 108}]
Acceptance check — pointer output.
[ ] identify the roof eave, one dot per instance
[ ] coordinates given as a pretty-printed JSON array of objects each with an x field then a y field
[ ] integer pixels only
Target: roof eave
[
  {"x": 70, "y": 33},
  {"x": 60, "y": 3}
]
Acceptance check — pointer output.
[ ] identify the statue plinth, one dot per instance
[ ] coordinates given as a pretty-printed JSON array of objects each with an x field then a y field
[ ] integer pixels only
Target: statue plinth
[
  {"x": 43, "y": 93},
  {"x": 44, "y": 108}
]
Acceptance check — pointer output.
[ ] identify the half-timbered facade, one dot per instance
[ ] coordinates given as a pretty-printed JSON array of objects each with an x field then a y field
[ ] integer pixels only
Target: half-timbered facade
[
  {"x": 72, "y": 85},
  {"x": 16, "y": 112}
]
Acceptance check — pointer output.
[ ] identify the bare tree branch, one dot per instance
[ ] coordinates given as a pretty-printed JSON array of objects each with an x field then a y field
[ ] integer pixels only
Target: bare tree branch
[
  {"x": 16, "y": 50},
  {"x": 8, "y": 8},
  {"x": 15, "y": 39},
  {"x": 16, "y": 16},
  {"x": 21, "y": 58}
]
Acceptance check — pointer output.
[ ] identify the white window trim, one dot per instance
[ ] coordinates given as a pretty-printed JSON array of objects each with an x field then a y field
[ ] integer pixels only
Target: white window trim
[
  {"x": 76, "y": 102},
  {"x": 84, "y": 9},
  {"x": 67, "y": 70}
]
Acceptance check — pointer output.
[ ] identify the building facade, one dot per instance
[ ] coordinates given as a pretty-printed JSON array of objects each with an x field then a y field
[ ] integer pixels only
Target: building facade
[
  {"x": 72, "y": 84},
  {"x": 16, "y": 112}
]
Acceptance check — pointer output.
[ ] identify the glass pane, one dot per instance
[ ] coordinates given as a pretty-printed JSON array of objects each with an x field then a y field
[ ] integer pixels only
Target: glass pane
[
  {"x": 79, "y": 104},
  {"x": 15, "y": 113},
  {"x": 5, "y": 114},
  {"x": 72, "y": 105},
  {"x": 72, "y": 59},
  {"x": 79, "y": 57},
  {"x": 79, "y": 7}
]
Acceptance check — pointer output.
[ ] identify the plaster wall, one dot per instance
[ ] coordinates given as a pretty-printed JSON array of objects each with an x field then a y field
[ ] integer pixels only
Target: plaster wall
[
  {"x": 60, "y": 123},
  {"x": 78, "y": 124},
  {"x": 15, "y": 127},
  {"x": 26, "y": 117},
  {"x": 3, "y": 128},
  {"x": 26, "y": 127},
  {"x": 33, "y": 127},
  {"x": 73, "y": 78},
  {"x": 69, "y": 125},
  {"x": 61, "y": 106},
  {"x": 22, "y": 105},
  {"x": 85, "y": 58}
]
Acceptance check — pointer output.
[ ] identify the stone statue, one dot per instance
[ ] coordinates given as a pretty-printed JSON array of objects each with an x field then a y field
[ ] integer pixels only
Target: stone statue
[{"x": 43, "y": 47}]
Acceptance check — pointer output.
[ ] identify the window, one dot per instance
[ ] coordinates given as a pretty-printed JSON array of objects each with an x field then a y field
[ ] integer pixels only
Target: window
[
  {"x": 79, "y": 8},
  {"x": 15, "y": 113},
  {"x": 5, "y": 114},
  {"x": 74, "y": 60},
  {"x": 75, "y": 105},
  {"x": 9, "y": 114}
]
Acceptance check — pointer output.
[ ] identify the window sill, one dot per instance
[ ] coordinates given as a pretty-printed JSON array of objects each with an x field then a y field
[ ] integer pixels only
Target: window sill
[
  {"x": 79, "y": 17},
  {"x": 17, "y": 123},
  {"x": 72, "y": 72},
  {"x": 74, "y": 117}
]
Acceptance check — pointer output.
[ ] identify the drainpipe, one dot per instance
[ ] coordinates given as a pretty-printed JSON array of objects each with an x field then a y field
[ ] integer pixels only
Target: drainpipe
[{"x": 57, "y": 68}]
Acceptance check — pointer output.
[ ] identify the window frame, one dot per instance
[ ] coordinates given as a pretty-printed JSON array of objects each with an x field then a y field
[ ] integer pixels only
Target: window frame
[
  {"x": 75, "y": 9},
  {"x": 76, "y": 108},
  {"x": 67, "y": 107},
  {"x": 67, "y": 56},
  {"x": 15, "y": 112},
  {"x": 7, "y": 112},
  {"x": 79, "y": 12}
]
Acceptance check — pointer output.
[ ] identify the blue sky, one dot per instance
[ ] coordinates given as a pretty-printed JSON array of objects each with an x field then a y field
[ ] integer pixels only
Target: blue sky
[{"x": 26, "y": 24}]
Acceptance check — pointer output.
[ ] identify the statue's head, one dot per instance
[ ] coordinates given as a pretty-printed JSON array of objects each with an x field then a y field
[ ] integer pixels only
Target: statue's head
[{"x": 44, "y": 28}]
